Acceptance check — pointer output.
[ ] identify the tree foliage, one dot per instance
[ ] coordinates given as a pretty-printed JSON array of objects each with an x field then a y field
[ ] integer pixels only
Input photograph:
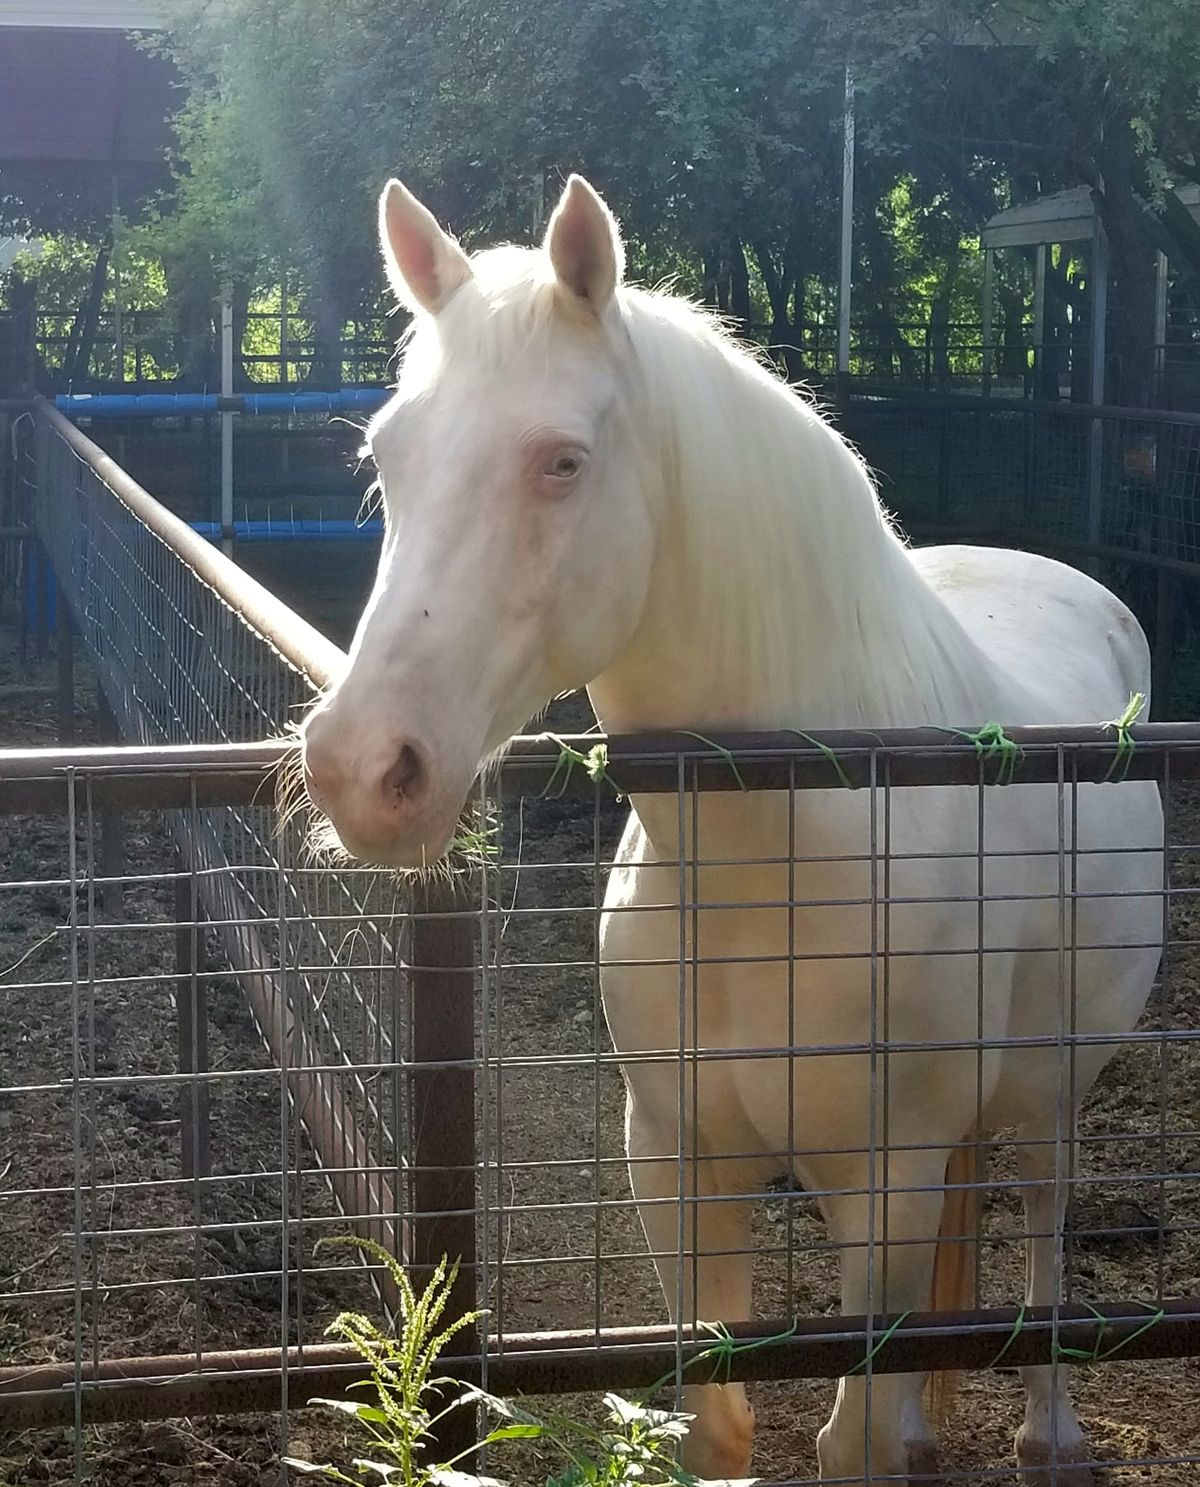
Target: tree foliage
[{"x": 713, "y": 126}]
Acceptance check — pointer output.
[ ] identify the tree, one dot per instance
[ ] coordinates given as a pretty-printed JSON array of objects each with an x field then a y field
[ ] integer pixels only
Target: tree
[
  {"x": 1104, "y": 93},
  {"x": 713, "y": 127}
]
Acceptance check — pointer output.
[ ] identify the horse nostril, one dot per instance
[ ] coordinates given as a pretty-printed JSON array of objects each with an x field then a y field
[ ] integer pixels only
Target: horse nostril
[{"x": 405, "y": 777}]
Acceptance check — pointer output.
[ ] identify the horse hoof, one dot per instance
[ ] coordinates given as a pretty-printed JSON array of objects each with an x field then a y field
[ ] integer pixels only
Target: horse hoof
[
  {"x": 1042, "y": 1465},
  {"x": 923, "y": 1462}
]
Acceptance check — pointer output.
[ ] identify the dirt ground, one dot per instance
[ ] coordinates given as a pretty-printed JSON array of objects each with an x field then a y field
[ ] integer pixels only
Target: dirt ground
[{"x": 563, "y": 1260}]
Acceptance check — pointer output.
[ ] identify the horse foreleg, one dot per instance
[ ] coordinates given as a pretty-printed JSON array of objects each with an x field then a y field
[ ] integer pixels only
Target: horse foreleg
[
  {"x": 713, "y": 1285},
  {"x": 878, "y": 1427},
  {"x": 1050, "y": 1444}
]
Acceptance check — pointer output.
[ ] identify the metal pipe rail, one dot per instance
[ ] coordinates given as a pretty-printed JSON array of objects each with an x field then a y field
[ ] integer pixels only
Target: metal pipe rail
[
  {"x": 193, "y": 404},
  {"x": 129, "y": 777},
  {"x": 176, "y": 776},
  {"x": 630, "y": 1358},
  {"x": 881, "y": 396},
  {"x": 303, "y": 646}
]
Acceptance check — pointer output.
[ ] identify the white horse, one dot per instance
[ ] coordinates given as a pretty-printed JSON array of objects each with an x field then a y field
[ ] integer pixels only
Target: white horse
[{"x": 587, "y": 483}]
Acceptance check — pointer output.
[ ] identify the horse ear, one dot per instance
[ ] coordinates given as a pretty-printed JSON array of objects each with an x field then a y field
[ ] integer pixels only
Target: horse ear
[
  {"x": 584, "y": 244},
  {"x": 424, "y": 264}
]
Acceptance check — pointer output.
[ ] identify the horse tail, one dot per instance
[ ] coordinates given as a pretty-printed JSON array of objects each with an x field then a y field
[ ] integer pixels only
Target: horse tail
[{"x": 955, "y": 1260}]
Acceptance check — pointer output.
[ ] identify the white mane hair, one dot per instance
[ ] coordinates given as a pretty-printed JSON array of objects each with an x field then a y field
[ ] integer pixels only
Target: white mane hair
[{"x": 777, "y": 516}]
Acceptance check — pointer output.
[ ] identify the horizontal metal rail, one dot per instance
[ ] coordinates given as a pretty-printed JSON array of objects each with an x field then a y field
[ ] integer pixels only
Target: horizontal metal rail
[
  {"x": 882, "y": 397},
  {"x": 181, "y": 775},
  {"x": 166, "y": 777},
  {"x": 616, "y": 1358}
]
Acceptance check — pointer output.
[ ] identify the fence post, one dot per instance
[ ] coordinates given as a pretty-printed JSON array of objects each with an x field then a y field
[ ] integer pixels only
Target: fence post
[
  {"x": 66, "y": 669},
  {"x": 442, "y": 1114},
  {"x": 191, "y": 1012},
  {"x": 112, "y": 825}
]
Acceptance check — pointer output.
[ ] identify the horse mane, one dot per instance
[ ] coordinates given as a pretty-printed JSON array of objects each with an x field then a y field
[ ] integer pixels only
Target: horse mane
[{"x": 775, "y": 504}]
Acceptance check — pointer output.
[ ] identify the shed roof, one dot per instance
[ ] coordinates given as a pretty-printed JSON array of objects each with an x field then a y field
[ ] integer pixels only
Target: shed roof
[
  {"x": 81, "y": 94},
  {"x": 84, "y": 15},
  {"x": 1065, "y": 217}
]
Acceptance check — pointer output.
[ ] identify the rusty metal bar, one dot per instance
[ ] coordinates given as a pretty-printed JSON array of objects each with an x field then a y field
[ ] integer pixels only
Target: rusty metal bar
[
  {"x": 41, "y": 590},
  {"x": 1162, "y": 653},
  {"x": 33, "y": 780},
  {"x": 442, "y": 1104},
  {"x": 917, "y": 756},
  {"x": 247, "y": 1380}
]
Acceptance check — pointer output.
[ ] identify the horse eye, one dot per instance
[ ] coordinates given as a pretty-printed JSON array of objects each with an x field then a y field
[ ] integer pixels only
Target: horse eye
[{"x": 567, "y": 465}]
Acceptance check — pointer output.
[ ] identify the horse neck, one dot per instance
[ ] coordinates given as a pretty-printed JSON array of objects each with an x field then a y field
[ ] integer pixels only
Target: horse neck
[{"x": 780, "y": 595}]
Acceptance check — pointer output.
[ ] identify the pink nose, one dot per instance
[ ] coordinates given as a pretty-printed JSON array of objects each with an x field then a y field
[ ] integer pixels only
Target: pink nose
[{"x": 374, "y": 807}]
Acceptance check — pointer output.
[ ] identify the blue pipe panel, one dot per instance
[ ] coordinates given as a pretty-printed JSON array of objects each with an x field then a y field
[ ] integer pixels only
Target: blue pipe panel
[
  {"x": 198, "y": 404},
  {"x": 312, "y": 529}
]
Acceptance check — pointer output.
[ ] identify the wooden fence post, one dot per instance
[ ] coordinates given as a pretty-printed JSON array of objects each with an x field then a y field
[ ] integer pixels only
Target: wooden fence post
[{"x": 442, "y": 1111}]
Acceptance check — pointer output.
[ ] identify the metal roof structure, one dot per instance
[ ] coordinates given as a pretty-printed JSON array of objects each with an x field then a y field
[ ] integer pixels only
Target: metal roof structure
[
  {"x": 75, "y": 87},
  {"x": 1065, "y": 217},
  {"x": 1070, "y": 217},
  {"x": 84, "y": 15}
]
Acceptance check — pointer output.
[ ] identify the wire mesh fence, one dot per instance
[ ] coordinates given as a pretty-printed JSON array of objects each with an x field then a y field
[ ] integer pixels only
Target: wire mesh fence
[
  {"x": 188, "y": 649},
  {"x": 558, "y": 1239},
  {"x": 1113, "y": 489},
  {"x": 256, "y": 1052},
  {"x": 1126, "y": 480}
]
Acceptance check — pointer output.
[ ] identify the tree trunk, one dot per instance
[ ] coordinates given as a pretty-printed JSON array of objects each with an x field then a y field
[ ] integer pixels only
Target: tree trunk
[
  {"x": 325, "y": 369},
  {"x": 739, "y": 284},
  {"x": 712, "y": 272},
  {"x": 1013, "y": 357},
  {"x": 1060, "y": 335},
  {"x": 243, "y": 371},
  {"x": 87, "y": 319},
  {"x": 192, "y": 299},
  {"x": 785, "y": 327},
  {"x": 939, "y": 335}
]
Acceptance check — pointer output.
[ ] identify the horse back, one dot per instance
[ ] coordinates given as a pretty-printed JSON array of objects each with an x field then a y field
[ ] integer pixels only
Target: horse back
[{"x": 1069, "y": 650}]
